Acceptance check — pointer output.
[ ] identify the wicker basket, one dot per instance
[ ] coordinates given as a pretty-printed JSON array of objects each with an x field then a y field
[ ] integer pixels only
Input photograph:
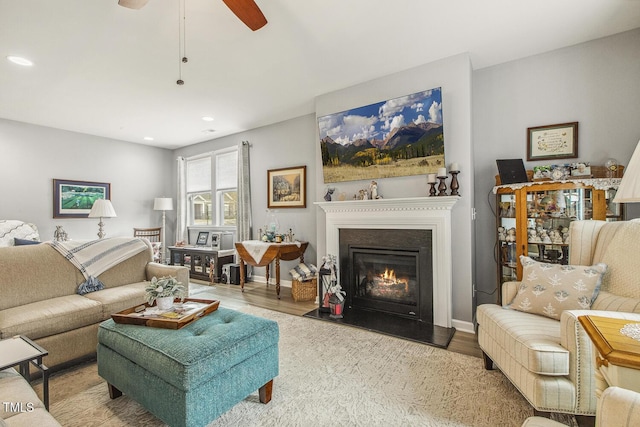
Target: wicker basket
[{"x": 304, "y": 291}]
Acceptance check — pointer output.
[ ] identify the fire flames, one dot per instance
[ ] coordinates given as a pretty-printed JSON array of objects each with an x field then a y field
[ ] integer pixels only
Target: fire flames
[{"x": 389, "y": 275}]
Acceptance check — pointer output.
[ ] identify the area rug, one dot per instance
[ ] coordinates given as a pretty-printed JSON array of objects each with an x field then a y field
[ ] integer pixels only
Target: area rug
[{"x": 332, "y": 374}]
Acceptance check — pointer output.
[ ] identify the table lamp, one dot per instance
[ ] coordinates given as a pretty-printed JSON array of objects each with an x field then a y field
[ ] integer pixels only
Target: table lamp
[
  {"x": 102, "y": 208},
  {"x": 629, "y": 188},
  {"x": 163, "y": 204}
]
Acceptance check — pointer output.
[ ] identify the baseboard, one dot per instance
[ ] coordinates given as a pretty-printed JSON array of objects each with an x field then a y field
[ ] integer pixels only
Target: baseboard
[{"x": 463, "y": 326}]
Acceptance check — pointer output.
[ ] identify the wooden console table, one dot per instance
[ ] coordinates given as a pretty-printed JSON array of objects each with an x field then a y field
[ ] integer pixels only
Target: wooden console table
[{"x": 274, "y": 251}]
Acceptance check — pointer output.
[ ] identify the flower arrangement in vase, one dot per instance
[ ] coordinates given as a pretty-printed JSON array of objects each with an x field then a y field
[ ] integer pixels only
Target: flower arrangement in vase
[{"x": 164, "y": 290}]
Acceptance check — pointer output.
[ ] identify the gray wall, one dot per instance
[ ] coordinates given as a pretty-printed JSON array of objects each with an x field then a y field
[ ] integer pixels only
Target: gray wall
[
  {"x": 286, "y": 144},
  {"x": 32, "y": 156},
  {"x": 594, "y": 83}
]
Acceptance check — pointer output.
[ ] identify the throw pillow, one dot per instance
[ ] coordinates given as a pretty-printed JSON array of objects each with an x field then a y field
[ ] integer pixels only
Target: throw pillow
[
  {"x": 549, "y": 289},
  {"x": 303, "y": 272},
  {"x": 23, "y": 242}
]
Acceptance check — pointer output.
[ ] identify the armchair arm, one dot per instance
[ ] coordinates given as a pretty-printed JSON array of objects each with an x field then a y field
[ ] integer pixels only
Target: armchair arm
[
  {"x": 509, "y": 291},
  {"x": 160, "y": 270},
  {"x": 618, "y": 407},
  {"x": 581, "y": 358}
]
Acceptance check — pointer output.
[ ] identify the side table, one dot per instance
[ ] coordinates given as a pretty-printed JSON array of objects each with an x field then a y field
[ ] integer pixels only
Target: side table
[
  {"x": 272, "y": 251},
  {"x": 20, "y": 350},
  {"x": 617, "y": 357}
]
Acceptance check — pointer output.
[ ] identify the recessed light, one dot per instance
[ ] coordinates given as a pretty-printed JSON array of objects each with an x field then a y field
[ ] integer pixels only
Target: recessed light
[
  {"x": 20, "y": 60},
  {"x": 209, "y": 131},
  {"x": 148, "y": 138},
  {"x": 207, "y": 119}
]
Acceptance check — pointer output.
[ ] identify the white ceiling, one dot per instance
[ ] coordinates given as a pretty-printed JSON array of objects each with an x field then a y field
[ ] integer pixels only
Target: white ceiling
[{"x": 105, "y": 70}]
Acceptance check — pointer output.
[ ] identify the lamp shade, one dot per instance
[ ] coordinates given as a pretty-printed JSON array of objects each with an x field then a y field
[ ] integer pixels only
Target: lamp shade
[
  {"x": 163, "y": 204},
  {"x": 102, "y": 208},
  {"x": 629, "y": 189}
]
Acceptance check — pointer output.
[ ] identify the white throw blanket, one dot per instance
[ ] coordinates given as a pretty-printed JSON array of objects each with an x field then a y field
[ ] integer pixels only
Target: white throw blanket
[{"x": 97, "y": 256}]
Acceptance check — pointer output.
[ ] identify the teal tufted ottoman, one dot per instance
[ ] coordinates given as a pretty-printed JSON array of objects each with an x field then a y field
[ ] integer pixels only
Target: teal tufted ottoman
[{"x": 190, "y": 376}]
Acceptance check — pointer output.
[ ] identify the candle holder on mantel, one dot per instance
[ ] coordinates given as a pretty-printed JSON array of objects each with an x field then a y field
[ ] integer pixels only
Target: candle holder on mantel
[
  {"x": 432, "y": 190},
  {"x": 454, "y": 183},
  {"x": 442, "y": 187}
]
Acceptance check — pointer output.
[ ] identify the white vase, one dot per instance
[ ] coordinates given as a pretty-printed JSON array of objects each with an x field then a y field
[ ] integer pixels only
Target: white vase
[{"x": 164, "y": 303}]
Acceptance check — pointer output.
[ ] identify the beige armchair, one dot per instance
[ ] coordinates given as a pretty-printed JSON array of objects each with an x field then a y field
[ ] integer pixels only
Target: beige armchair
[
  {"x": 617, "y": 407},
  {"x": 551, "y": 362}
]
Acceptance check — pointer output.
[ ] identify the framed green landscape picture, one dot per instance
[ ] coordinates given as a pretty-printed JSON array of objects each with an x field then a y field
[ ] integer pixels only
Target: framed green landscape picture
[
  {"x": 399, "y": 137},
  {"x": 74, "y": 199}
]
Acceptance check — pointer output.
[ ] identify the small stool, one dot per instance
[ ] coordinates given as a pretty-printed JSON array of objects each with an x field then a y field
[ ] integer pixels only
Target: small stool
[{"x": 188, "y": 377}]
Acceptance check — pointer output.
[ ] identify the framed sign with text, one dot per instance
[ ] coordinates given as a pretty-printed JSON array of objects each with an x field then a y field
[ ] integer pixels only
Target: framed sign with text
[{"x": 552, "y": 142}]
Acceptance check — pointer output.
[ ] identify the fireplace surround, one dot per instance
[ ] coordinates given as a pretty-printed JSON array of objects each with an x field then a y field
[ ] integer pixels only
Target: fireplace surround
[{"x": 416, "y": 213}]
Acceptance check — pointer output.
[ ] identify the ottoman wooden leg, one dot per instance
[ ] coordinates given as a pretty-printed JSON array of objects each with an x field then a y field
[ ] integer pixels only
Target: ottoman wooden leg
[
  {"x": 113, "y": 391},
  {"x": 265, "y": 392}
]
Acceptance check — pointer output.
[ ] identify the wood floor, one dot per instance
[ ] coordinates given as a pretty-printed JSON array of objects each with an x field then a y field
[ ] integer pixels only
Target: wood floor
[{"x": 81, "y": 377}]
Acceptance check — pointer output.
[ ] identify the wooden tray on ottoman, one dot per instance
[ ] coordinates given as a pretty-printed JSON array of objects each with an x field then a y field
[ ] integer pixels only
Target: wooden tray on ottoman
[{"x": 135, "y": 315}]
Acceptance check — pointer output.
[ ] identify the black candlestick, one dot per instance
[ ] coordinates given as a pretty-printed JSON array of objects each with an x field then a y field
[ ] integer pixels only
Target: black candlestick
[
  {"x": 442, "y": 187},
  {"x": 454, "y": 183},
  {"x": 432, "y": 190}
]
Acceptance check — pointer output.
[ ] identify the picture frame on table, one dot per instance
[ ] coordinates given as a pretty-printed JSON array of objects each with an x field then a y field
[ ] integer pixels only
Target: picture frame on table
[
  {"x": 287, "y": 187},
  {"x": 74, "y": 199},
  {"x": 559, "y": 141},
  {"x": 203, "y": 236}
]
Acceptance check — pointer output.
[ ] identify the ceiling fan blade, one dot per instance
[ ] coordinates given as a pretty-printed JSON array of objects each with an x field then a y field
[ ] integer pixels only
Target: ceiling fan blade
[
  {"x": 248, "y": 12},
  {"x": 132, "y": 4}
]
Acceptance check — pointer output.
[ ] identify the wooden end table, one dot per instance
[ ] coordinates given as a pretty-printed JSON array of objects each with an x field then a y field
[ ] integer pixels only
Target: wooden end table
[
  {"x": 20, "y": 350},
  {"x": 277, "y": 252},
  {"x": 618, "y": 356}
]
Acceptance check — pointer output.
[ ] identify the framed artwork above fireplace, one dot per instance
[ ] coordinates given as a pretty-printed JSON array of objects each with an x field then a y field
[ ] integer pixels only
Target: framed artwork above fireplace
[{"x": 399, "y": 137}]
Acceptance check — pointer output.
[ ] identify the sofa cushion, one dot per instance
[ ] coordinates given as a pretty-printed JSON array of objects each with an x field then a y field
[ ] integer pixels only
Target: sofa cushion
[
  {"x": 52, "y": 316},
  {"x": 549, "y": 289},
  {"x": 117, "y": 299},
  {"x": 533, "y": 341}
]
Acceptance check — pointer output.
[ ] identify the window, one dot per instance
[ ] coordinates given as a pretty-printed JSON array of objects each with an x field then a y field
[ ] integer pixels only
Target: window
[{"x": 213, "y": 197}]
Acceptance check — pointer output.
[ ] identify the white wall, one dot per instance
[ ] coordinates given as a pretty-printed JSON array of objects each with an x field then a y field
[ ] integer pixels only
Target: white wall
[
  {"x": 32, "y": 156},
  {"x": 454, "y": 76},
  {"x": 594, "y": 83}
]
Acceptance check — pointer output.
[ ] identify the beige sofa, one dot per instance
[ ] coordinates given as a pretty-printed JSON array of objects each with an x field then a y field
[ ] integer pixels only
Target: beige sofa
[
  {"x": 20, "y": 404},
  {"x": 38, "y": 298},
  {"x": 551, "y": 362}
]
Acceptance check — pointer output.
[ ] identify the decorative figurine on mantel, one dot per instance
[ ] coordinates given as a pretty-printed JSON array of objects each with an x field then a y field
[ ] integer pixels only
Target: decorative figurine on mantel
[
  {"x": 327, "y": 196},
  {"x": 373, "y": 191}
]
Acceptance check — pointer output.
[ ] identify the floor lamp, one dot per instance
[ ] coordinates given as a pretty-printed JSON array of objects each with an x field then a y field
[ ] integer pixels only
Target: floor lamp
[
  {"x": 102, "y": 208},
  {"x": 163, "y": 204}
]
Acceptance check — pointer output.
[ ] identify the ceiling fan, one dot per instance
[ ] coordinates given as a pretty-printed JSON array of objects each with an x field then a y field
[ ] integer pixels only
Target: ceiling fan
[{"x": 246, "y": 10}]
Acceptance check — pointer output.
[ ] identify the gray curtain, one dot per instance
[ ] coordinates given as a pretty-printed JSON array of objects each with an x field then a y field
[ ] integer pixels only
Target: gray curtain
[
  {"x": 181, "y": 211},
  {"x": 244, "y": 193}
]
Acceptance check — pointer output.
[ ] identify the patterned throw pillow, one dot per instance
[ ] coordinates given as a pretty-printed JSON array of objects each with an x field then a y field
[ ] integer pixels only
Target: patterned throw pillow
[{"x": 549, "y": 289}]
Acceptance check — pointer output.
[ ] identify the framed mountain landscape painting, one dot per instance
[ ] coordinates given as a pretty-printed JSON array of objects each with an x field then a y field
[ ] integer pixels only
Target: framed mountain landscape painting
[{"x": 398, "y": 137}]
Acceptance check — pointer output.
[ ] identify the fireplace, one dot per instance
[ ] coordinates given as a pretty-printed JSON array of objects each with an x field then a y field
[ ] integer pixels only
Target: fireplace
[
  {"x": 417, "y": 214},
  {"x": 388, "y": 271}
]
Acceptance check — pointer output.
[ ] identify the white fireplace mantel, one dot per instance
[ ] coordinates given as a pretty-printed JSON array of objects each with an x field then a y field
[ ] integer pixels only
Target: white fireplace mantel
[{"x": 421, "y": 213}]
